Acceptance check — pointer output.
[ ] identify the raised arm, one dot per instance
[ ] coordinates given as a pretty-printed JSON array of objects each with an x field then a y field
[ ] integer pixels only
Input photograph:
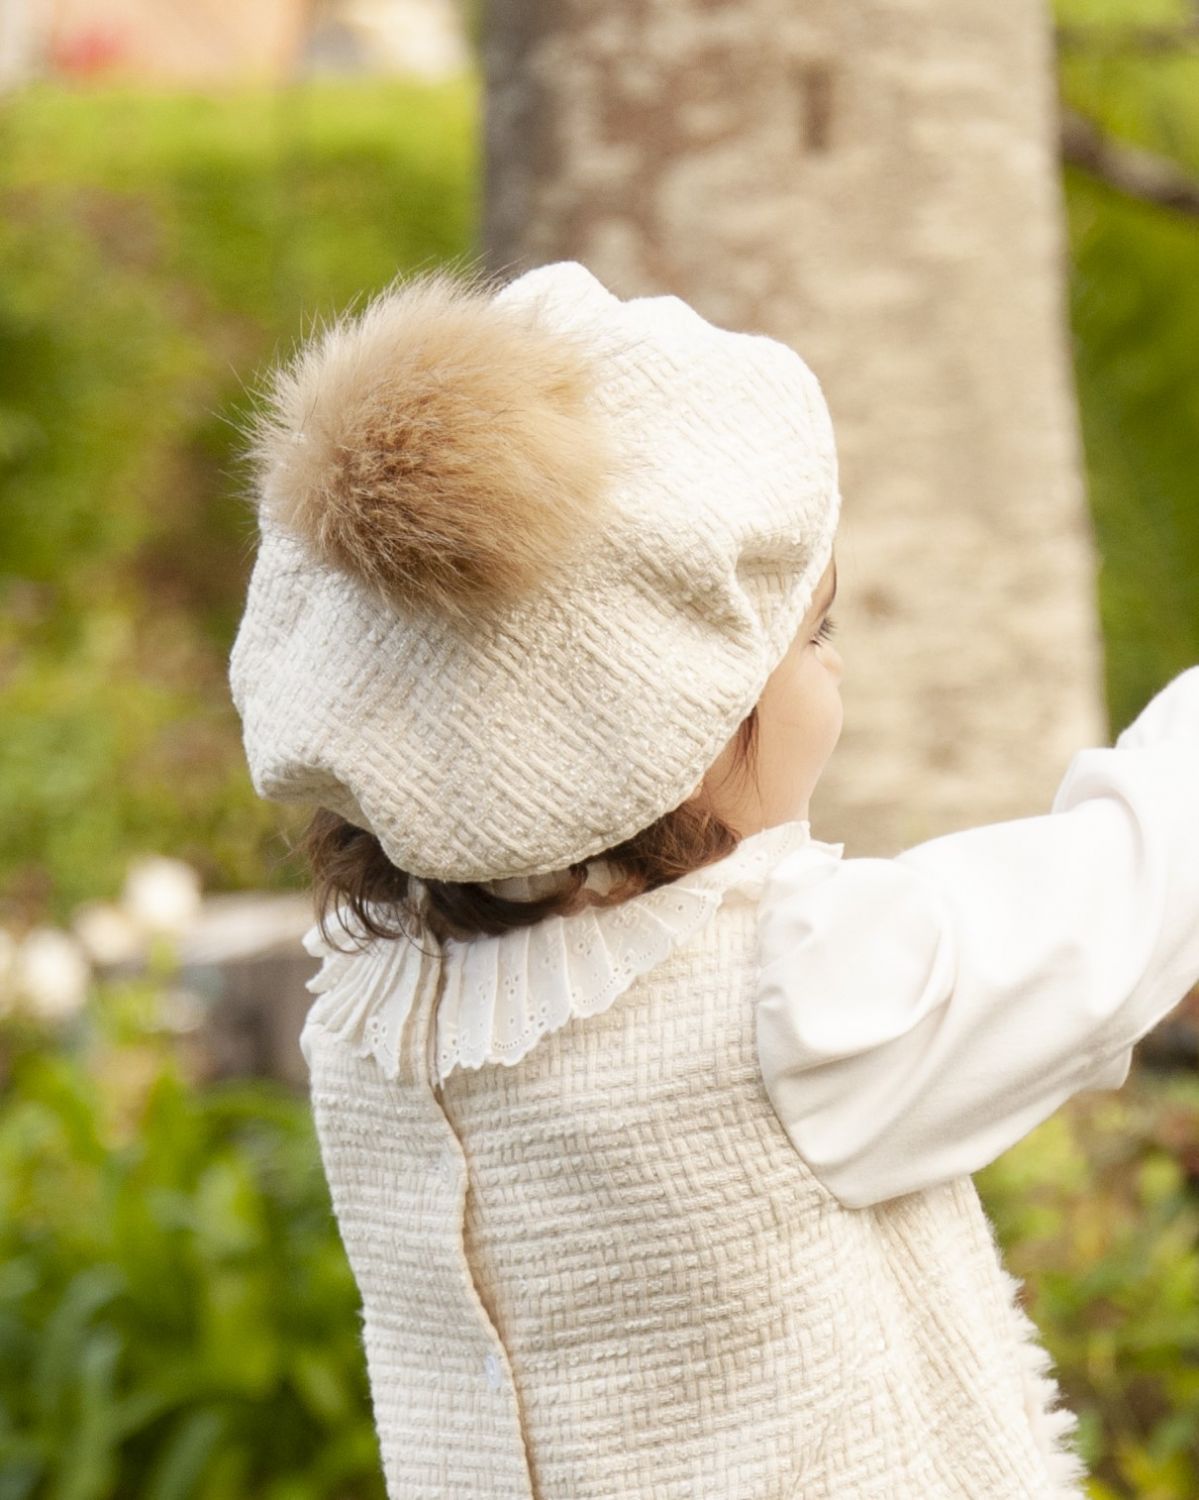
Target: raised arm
[{"x": 919, "y": 1015}]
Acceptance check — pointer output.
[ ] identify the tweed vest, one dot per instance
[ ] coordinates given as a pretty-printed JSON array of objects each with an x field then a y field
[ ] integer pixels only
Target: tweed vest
[{"x": 600, "y": 1270}]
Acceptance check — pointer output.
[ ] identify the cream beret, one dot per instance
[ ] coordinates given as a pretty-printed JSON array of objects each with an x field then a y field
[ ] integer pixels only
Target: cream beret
[{"x": 526, "y": 560}]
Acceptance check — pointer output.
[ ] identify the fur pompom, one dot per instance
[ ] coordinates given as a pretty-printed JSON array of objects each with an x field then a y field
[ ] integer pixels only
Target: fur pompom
[{"x": 438, "y": 446}]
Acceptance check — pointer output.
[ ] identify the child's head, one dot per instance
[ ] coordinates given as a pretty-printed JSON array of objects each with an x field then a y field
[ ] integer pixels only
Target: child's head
[
  {"x": 798, "y": 724},
  {"x": 764, "y": 775},
  {"x": 541, "y": 581}
]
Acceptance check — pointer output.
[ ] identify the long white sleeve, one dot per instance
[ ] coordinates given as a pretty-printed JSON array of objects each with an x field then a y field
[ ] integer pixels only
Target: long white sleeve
[{"x": 919, "y": 1015}]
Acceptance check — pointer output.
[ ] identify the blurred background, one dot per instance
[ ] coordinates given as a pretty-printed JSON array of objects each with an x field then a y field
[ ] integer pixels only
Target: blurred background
[{"x": 981, "y": 227}]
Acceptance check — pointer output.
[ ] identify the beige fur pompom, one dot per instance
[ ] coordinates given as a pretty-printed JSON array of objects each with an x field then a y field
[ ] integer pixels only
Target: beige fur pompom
[{"x": 439, "y": 446}]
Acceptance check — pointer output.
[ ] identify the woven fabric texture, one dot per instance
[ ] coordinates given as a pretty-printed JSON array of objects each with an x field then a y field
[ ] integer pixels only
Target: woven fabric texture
[
  {"x": 603, "y": 1272},
  {"x": 572, "y": 718}
]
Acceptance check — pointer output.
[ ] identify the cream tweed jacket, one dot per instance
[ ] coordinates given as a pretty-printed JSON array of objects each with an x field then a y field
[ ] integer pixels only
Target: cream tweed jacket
[{"x": 592, "y": 1264}]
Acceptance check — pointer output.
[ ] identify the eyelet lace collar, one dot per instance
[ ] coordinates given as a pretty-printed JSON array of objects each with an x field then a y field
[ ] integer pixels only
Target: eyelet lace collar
[{"x": 502, "y": 994}]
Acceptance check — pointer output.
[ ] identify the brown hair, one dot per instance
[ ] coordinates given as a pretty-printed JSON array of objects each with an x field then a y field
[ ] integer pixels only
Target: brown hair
[{"x": 349, "y": 869}]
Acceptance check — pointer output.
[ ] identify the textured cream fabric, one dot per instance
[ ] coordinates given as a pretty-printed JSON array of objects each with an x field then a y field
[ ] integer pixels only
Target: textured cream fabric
[
  {"x": 602, "y": 1272},
  {"x": 565, "y": 723}
]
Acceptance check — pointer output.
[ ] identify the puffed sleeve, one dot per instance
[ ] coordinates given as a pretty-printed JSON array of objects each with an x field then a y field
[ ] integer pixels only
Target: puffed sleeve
[{"x": 917, "y": 1016}]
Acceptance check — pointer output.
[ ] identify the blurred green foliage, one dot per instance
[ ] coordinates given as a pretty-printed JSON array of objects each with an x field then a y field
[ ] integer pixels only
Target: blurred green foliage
[
  {"x": 1134, "y": 291},
  {"x": 178, "y": 1320},
  {"x": 1098, "y": 1212},
  {"x": 155, "y": 252}
]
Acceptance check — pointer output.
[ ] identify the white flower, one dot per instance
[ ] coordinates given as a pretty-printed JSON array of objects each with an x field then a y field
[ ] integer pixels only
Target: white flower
[
  {"x": 52, "y": 973},
  {"x": 108, "y": 933},
  {"x": 162, "y": 895}
]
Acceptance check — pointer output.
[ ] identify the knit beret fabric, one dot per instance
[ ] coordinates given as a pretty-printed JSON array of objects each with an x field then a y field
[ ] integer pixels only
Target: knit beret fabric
[{"x": 541, "y": 733}]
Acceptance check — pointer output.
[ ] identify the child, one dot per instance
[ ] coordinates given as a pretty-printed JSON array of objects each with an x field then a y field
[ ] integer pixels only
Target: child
[{"x": 649, "y": 1119}]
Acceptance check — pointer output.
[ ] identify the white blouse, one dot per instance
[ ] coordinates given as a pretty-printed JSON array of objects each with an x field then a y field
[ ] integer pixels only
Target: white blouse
[{"x": 919, "y": 1015}]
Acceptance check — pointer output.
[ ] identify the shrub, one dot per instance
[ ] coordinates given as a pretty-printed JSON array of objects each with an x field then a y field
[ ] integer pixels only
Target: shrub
[
  {"x": 1098, "y": 1211},
  {"x": 178, "y": 1320},
  {"x": 155, "y": 250}
]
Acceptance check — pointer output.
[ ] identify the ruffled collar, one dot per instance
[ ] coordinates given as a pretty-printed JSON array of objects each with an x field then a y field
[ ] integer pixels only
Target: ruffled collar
[{"x": 502, "y": 994}]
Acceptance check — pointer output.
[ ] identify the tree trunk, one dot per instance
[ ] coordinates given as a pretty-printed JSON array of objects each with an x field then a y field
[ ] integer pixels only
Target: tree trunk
[{"x": 877, "y": 186}]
